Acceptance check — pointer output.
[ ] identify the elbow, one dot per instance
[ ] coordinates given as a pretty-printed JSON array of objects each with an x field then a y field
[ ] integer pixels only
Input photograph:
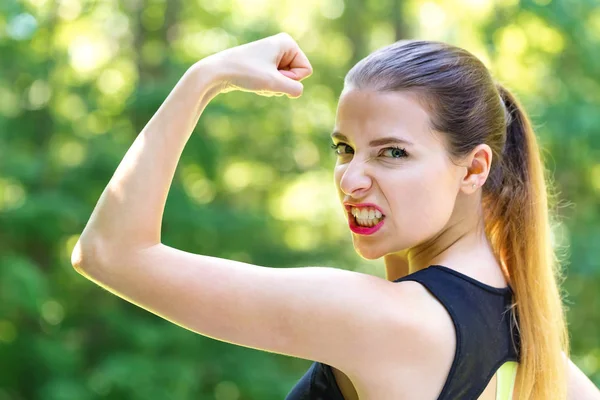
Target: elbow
[
  {"x": 88, "y": 253},
  {"x": 77, "y": 260},
  {"x": 94, "y": 254}
]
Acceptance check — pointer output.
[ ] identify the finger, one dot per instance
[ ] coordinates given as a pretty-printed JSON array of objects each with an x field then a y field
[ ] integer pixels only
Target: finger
[
  {"x": 286, "y": 85},
  {"x": 289, "y": 74},
  {"x": 292, "y": 58},
  {"x": 300, "y": 65},
  {"x": 296, "y": 64}
]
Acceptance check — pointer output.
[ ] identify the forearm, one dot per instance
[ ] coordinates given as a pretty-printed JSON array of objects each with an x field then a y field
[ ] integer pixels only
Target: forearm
[{"x": 129, "y": 212}]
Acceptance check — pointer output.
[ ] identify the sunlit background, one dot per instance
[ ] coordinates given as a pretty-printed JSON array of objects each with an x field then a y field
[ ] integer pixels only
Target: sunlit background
[{"x": 79, "y": 79}]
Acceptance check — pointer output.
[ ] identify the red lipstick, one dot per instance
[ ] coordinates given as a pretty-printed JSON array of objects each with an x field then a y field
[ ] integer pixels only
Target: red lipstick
[{"x": 362, "y": 230}]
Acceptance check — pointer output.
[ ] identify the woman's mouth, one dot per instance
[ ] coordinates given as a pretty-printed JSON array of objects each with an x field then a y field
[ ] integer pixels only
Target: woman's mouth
[{"x": 365, "y": 221}]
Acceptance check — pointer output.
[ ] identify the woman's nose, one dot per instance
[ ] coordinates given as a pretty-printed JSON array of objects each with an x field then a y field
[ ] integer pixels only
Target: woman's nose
[{"x": 354, "y": 179}]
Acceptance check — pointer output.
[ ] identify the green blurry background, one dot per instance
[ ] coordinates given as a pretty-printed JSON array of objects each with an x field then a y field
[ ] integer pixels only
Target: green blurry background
[{"x": 79, "y": 79}]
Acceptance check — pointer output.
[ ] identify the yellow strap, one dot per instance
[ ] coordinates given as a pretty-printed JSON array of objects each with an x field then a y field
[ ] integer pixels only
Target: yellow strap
[{"x": 506, "y": 380}]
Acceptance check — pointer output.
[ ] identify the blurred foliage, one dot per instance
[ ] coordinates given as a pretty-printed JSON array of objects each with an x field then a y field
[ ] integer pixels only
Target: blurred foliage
[{"x": 79, "y": 79}]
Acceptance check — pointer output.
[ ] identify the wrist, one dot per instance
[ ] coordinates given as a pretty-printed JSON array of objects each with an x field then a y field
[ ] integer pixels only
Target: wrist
[{"x": 209, "y": 76}]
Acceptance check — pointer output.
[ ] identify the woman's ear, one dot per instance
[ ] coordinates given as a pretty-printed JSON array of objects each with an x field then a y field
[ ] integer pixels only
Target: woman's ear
[{"x": 478, "y": 164}]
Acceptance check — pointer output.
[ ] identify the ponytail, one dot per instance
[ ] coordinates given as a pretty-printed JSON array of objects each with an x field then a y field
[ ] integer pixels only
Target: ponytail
[{"x": 517, "y": 222}]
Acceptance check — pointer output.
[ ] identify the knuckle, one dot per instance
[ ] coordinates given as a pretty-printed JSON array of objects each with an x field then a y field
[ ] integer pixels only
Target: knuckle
[{"x": 286, "y": 37}]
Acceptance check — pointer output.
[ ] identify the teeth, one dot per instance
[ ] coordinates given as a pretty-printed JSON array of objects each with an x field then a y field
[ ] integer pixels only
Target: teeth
[
  {"x": 365, "y": 213},
  {"x": 368, "y": 222},
  {"x": 366, "y": 216}
]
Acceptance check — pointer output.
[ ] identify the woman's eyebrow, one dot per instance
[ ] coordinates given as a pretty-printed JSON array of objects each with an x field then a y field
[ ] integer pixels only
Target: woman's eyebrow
[{"x": 375, "y": 142}]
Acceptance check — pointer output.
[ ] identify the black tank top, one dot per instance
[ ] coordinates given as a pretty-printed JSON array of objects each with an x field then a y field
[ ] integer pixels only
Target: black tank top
[{"x": 485, "y": 337}]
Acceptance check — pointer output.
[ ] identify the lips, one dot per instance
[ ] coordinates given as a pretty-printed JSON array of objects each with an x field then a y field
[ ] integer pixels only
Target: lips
[{"x": 363, "y": 230}]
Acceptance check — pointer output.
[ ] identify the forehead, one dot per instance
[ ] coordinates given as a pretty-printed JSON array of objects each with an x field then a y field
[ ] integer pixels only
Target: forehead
[{"x": 364, "y": 115}]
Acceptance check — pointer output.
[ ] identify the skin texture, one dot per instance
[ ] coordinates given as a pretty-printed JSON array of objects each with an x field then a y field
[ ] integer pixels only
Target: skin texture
[{"x": 432, "y": 210}]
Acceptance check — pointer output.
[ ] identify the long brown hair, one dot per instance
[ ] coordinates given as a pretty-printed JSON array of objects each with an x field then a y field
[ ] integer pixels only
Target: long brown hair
[{"x": 469, "y": 107}]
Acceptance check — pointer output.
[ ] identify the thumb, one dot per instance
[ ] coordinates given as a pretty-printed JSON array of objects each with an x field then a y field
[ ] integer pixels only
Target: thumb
[{"x": 285, "y": 83}]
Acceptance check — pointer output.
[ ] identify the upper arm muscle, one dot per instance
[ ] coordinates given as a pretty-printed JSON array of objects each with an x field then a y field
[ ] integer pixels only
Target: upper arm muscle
[{"x": 314, "y": 313}]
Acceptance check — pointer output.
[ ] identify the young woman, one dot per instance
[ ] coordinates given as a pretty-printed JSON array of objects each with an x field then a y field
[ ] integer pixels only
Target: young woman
[{"x": 439, "y": 173}]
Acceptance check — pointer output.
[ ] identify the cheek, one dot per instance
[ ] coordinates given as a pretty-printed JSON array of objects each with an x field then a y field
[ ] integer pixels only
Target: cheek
[{"x": 423, "y": 203}]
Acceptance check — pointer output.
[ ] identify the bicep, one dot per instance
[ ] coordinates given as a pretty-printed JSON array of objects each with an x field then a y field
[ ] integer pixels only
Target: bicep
[{"x": 314, "y": 313}]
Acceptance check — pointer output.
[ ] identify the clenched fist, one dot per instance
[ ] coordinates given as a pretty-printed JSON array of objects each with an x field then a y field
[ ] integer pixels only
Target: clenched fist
[{"x": 272, "y": 66}]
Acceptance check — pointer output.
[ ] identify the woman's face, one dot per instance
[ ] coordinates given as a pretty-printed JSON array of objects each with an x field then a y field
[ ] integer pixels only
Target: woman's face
[{"x": 412, "y": 182}]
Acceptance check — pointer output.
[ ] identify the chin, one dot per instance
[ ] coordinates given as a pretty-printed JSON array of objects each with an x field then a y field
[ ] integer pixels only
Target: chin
[{"x": 368, "y": 253}]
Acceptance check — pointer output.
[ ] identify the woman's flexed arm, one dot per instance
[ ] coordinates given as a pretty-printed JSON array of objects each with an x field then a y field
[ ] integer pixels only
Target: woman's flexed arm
[
  {"x": 312, "y": 313},
  {"x": 129, "y": 212}
]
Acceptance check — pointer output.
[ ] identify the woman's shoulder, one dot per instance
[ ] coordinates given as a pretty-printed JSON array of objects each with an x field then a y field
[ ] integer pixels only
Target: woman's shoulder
[
  {"x": 418, "y": 352},
  {"x": 428, "y": 322}
]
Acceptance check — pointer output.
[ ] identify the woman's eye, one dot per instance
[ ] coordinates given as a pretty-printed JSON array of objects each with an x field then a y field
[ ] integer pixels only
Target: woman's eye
[
  {"x": 341, "y": 148},
  {"x": 395, "y": 152}
]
